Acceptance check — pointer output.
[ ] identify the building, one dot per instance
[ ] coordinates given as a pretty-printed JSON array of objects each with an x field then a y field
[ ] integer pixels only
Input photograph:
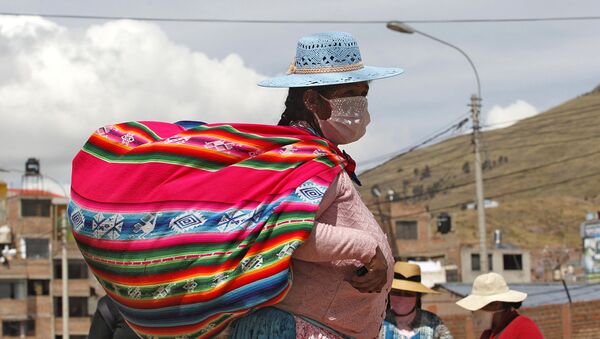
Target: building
[
  {"x": 30, "y": 272},
  {"x": 512, "y": 263},
  {"x": 419, "y": 237}
]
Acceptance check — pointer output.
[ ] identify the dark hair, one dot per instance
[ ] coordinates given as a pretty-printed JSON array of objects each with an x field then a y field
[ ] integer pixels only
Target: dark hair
[
  {"x": 516, "y": 306},
  {"x": 295, "y": 110}
]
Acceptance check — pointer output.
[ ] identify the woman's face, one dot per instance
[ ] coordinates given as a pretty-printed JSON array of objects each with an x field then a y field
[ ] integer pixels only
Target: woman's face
[
  {"x": 403, "y": 302},
  {"x": 315, "y": 101}
]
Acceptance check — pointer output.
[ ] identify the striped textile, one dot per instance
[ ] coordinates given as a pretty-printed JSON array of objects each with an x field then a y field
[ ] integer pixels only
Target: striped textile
[{"x": 188, "y": 226}]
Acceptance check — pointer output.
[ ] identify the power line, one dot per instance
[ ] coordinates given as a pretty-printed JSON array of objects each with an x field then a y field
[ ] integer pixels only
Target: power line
[
  {"x": 524, "y": 170},
  {"x": 454, "y": 126},
  {"x": 300, "y": 21},
  {"x": 545, "y": 116},
  {"x": 440, "y": 209}
]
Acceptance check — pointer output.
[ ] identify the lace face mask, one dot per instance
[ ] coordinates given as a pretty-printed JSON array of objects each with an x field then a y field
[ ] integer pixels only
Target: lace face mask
[{"x": 348, "y": 121}]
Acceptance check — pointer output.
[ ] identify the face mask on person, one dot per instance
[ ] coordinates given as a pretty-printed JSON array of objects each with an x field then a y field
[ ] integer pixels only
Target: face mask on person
[
  {"x": 484, "y": 319},
  {"x": 348, "y": 121},
  {"x": 404, "y": 309},
  {"x": 403, "y": 305}
]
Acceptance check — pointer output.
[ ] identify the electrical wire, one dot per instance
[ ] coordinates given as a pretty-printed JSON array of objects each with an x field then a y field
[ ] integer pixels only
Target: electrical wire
[
  {"x": 301, "y": 21},
  {"x": 503, "y": 194},
  {"x": 455, "y": 125},
  {"x": 499, "y": 176}
]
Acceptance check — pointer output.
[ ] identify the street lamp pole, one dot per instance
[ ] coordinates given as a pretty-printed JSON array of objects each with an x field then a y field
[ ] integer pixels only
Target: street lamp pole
[{"x": 475, "y": 105}]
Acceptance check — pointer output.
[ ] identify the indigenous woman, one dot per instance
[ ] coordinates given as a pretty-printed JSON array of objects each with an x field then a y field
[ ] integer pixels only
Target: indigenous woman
[
  {"x": 190, "y": 226},
  {"x": 328, "y": 87},
  {"x": 494, "y": 308},
  {"x": 405, "y": 317}
]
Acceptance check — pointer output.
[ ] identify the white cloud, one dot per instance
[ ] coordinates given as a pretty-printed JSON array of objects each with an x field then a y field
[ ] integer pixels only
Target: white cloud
[
  {"x": 57, "y": 85},
  {"x": 500, "y": 117}
]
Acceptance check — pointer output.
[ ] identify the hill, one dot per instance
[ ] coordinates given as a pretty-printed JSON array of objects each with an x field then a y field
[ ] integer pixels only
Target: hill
[{"x": 544, "y": 172}]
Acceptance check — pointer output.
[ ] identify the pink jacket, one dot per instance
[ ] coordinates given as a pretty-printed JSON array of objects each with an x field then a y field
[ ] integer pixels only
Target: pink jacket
[{"x": 344, "y": 237}]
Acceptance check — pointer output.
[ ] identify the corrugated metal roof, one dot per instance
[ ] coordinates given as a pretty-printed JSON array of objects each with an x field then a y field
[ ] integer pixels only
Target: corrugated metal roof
[{"x": 539, "y": 294}]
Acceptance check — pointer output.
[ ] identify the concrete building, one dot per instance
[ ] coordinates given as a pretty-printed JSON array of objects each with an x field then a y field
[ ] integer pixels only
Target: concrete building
[
  {"x": 30, "y": 272},
  {"x": 419, "y": 237},
  {"x": 512, "y": 263}
]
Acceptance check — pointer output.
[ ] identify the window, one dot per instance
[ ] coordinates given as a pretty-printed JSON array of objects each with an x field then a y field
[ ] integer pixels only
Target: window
[
  {"x": 475, "y": 264},
  {"x": 512, "y": 262},
  {"x": 37, "y": 248},
  {"x": 35, "y": 207},
  {"x": 406, "y": 229},
  {"x": 18, "y": 328},
  {"x": 452, "y": 275},
  {"x": 12, "y": 289},
  {"x": 38, "y": 287},
  {"x": 77, "y": 269},
  {"x": 78, "y": 307}
]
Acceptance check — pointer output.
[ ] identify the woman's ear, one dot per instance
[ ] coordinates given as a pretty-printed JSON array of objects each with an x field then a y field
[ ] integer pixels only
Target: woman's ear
[{"x": 315, "y": 103}]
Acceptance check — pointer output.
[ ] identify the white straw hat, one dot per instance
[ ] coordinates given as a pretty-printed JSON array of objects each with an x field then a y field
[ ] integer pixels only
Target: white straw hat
[{"x": 488, "y": 288}]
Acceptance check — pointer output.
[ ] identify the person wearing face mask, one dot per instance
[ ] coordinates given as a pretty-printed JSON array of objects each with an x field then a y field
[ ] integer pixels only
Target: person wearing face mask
[
  {"x": 193, "y": 228},
  {"x": 343, "y": 271},
  {"x": 494, "y": 308},
  {"x": 405, "y": 319}
]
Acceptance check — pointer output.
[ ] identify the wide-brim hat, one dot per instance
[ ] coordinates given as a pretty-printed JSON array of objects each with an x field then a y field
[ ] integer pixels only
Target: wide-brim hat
[
  {"x": 407, "y": 277},
  {"x": 488, "y": 288},
  {"x": 328, "y": 58}
]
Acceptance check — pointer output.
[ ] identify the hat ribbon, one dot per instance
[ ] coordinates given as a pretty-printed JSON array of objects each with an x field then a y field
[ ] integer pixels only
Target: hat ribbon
[
  {"x": 345, "y": 68},
  {"x": 414, "y": 278}
]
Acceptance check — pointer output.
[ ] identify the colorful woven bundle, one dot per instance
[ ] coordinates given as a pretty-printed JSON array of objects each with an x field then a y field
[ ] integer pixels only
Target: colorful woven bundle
[{"x": 188, "y": 226}]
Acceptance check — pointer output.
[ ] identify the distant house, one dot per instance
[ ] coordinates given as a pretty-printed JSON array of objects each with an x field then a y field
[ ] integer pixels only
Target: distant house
[{"x": 30, "y": 272}]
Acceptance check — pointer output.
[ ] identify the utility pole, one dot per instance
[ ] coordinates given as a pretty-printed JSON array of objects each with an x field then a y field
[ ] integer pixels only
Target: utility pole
[
  {"x": 483, "y": 256},
  {"x": 65, "y": 278},
  {"x": 401, "y": 27}
]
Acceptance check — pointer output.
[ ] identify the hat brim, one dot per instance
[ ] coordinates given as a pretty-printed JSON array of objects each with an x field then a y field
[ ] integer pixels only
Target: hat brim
[
  {"x": 477, "y": 302},
  {"x": 412, "y": 286},
  {"x": 366, "y": 73}
]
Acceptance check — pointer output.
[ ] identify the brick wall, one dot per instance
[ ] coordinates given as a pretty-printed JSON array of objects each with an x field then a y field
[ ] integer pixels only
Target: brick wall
[
  {"x": 457, "y": 325},
  {"x": 580, "y": 320},
  {"x": 548, "y": 318},
  {"x": 585, "y": 319}
]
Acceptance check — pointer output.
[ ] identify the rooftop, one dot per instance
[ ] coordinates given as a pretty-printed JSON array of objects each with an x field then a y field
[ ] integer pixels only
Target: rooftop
[{"x": 539, "y": 294}]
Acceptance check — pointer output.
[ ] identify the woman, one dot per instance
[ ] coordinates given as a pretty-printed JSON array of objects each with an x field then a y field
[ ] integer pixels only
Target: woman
[
  {"x": 328, "y": 86},
  {"x": 405, "y": 317},
  {"x": 495, "y": 309},
  {"x": 108, "y": 323},
  {"x": 189, "y": 226}
]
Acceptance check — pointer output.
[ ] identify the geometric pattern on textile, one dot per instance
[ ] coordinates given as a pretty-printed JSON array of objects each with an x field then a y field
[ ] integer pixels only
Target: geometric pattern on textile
[{"x": 187, "y": 229}]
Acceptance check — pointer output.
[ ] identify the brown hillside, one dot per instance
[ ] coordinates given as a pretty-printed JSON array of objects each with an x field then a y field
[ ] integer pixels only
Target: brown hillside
[{"x": 544, "y": 171}]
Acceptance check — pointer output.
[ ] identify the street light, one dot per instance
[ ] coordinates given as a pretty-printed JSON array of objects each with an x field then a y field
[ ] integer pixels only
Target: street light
[
  {"x": 64, "y": 262},
  {"x": 475, "y": 108}
]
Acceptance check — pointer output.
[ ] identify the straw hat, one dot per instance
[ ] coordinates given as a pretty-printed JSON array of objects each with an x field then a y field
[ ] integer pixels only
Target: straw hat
[
  {"x": 407, "y": 277},
  {"x": 488, "y": 288},
  {"x": 328, "y": 58}
]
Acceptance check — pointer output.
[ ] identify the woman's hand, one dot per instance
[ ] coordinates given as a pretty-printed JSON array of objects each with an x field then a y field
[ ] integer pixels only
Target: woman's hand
[{"x": 376, "y": 276}]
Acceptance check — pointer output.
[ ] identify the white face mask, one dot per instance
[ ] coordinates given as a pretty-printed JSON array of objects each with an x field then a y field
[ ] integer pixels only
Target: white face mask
[{"x": 348, "y": 121}]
